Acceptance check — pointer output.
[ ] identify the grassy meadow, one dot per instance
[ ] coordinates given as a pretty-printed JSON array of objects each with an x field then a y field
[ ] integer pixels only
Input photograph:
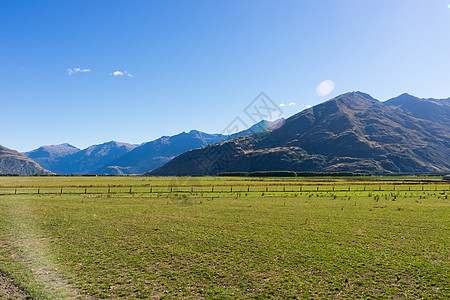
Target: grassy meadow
[{"x": 285, "y": 238}]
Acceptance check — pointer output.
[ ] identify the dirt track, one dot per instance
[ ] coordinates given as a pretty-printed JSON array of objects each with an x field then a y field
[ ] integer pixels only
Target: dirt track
[{"x": 8, "y": 290}]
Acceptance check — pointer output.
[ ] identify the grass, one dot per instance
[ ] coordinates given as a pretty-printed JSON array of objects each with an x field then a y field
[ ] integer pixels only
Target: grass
[{"x": 225, "y": 245}]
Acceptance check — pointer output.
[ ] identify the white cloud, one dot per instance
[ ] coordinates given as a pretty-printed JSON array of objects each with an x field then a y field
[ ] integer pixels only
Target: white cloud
[
  {"x": 292, "y": 104},
  {"x": 282, "y": 105},
  {"x": 121, "y": 73},
  {"x": 308, "y": 106},
  {"x": 77, "y": 70}
]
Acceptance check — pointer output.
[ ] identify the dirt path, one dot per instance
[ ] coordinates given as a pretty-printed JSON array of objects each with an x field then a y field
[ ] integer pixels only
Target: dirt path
[{"x": 8, "y": 290}]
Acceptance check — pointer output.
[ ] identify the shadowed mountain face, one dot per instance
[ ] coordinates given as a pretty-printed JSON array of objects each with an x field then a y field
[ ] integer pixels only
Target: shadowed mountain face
[
  {"x": 12, "y": 162},
  {"x": 352, "y": 132},
  {"x": 88, "y": 160},
  {"x": 46, "y": 156},
  {"x": 156, "y": 153}
]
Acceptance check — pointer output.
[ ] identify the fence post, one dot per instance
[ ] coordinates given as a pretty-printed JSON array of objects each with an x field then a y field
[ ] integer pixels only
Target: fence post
[
  {"x": 267, "y": 188},
  {"x": 85, "y": 190},
  {"x": 212, "y": 189},
  {"x": 39, "y": 190},
  {"x": 130, "y": 189},
  {"x": 61, "y": 190},
  {"x": 231, "y": 188},
  {"x": 15, "y": 191},
  {"x": 151, "y": 189},
  {"x": 248, "y": 188}
]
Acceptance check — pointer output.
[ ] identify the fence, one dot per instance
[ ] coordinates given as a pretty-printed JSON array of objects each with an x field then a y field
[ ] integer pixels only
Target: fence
[{"x": 136, "y": 189}]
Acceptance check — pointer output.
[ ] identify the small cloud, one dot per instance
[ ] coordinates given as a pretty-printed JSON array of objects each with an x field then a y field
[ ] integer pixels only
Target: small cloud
[
  {"x": 121, "y": 73},
  {"x": 77, "y": 70},
  {"x": 308, "y": 106},
  {"x": 282, "y": 105},
  {"x": 292, "y": 104}
]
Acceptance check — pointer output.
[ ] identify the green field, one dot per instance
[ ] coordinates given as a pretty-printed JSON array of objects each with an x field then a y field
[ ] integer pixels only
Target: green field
[{"x": 226, "y": 238}]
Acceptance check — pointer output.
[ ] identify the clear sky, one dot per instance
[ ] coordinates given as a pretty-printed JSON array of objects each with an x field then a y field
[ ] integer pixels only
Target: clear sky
[{"x": 87, "y": 72}]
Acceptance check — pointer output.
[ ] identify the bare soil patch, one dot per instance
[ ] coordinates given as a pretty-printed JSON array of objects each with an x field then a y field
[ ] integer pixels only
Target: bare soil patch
[{"x": 8, "y": 290}]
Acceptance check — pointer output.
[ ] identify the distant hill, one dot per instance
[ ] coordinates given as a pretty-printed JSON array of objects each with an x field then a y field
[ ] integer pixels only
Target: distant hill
[
  {"x": 156, "y": 153},
  {"x": 88, "y": 160},
  {"x": 12, "y": 162},
  {"x": 46, "y": 156},
  {"x": 352, "y": 132},
  {"x": 436, "y": 110}
]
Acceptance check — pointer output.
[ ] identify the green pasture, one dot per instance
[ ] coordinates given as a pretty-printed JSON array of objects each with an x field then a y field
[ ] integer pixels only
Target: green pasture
[{"x": 192, "y": 243}]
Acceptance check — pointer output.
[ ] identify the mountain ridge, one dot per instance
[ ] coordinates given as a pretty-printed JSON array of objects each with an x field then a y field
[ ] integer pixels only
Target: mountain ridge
[{"x": 155, "y": 153}]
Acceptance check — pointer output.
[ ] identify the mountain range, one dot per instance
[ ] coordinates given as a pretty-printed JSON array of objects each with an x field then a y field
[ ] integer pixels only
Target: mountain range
[
  {"x": 114, "y": 158},
  {"x": 352, "y": 132}
]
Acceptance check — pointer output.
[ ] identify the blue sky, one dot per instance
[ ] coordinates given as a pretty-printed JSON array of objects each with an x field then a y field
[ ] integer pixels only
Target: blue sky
[{"x": 183, "y": 65}]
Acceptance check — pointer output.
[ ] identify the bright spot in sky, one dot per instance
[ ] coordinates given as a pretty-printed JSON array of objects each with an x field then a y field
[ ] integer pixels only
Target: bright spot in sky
[{"x": 325, "y": 87}]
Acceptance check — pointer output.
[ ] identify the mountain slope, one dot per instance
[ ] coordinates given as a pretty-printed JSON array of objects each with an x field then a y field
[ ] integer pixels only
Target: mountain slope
[
  {"x": 156, "y": 153},
  {"x": 352, "y": 132},
  {"x": 46, "y": 156},
  {"x": 88, "y": 160},
  {"x": 436, "y": 110},
  {"x": 12, "y": 162}
]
